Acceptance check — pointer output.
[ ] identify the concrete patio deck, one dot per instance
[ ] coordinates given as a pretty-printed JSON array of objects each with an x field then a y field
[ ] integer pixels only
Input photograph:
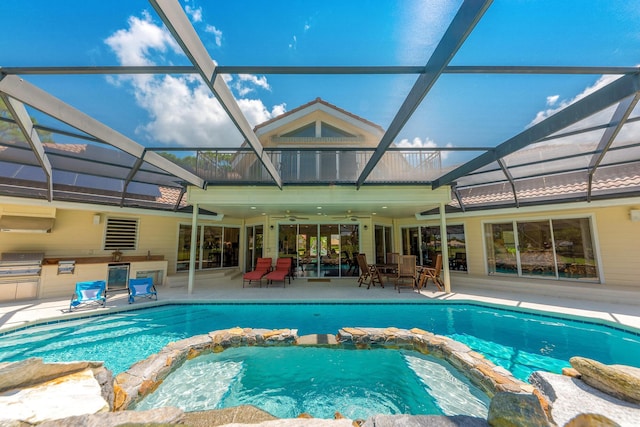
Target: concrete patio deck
[{"x": 217, "y": 289}]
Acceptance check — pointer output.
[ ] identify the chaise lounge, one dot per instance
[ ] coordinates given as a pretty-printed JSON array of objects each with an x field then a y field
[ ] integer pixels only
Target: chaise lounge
[
  {"x": 263, "y": 266},
  {"x": 281, "y": 272}
]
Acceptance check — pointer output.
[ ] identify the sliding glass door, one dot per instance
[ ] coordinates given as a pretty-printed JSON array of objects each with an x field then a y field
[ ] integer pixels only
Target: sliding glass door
[
  {"x": 320, "y": 250},
  {"x": 253, "y": 247},
  {"x": 216, "y": 247},
  {"x": 556, "y": 248}
]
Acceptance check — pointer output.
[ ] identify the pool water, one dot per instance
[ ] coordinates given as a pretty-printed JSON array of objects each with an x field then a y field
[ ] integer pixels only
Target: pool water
[
  {"x": 286, "y": 381},
  {"x": 519, "y": 342}
]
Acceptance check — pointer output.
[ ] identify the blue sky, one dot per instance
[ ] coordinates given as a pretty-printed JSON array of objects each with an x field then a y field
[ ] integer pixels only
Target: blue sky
[{"x": 475, "y": 110}]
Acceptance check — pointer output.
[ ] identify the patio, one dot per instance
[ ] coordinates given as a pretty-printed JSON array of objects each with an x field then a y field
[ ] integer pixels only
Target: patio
[{"x": 18, "y": 314}]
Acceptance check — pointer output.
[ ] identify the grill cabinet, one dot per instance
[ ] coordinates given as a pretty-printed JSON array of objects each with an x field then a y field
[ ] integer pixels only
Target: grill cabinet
[{"x": 20, "y": 275}]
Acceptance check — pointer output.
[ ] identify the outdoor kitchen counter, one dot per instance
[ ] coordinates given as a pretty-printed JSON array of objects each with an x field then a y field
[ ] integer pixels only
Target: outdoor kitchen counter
[{"x": 56, "y": 283}]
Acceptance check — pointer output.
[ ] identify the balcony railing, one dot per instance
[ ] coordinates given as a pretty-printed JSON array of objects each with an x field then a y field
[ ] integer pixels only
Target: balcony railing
[{"x": 318, "y": 166}]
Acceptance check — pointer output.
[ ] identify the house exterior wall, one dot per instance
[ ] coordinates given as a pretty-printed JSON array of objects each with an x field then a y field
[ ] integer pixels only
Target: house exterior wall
[
  {"x": 615, "y": 236},
  {"x": 75, "y": 236}
]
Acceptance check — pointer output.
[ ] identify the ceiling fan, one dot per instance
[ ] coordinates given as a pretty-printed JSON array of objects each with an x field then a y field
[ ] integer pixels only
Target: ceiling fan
[
  {"x": 290, "y": 217},
  {"x": 351, "y": 217}
]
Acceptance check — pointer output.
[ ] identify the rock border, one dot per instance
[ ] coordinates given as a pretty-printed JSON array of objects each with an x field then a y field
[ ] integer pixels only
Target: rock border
[{"x": 145, "y": 376}]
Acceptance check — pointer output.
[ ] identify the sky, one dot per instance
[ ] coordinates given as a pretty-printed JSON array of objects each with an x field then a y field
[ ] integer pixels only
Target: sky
[{"x": 459, "y": 111}]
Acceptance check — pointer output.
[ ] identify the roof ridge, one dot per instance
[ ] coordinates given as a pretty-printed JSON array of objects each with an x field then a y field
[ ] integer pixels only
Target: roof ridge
[{"x": 318, "y": 100}]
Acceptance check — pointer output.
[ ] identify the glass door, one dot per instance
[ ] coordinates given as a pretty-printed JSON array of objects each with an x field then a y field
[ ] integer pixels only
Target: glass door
[
  {"x": 320, "y": 250},
  {"x": 329, "y": 250},
  {"x": 349, "y": 248},
  {"x": 254, "y": 245},
  {"x": 383, "y": 243},
  {"x": 536, "y": 249},
  {"x": 500, "y": 240},
  {"x": 212, "y": 249},
  {"x": 231, "y": 247}
]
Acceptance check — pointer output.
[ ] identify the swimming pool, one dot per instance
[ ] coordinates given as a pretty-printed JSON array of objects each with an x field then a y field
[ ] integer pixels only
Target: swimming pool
[{"x": 520, "y": 342}]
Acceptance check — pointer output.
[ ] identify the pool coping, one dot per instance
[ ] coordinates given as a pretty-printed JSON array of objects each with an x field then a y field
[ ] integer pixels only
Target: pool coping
[{"x": 144, "y": 305}]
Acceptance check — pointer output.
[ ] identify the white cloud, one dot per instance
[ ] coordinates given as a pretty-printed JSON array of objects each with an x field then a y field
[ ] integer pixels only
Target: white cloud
[
  {"x": 294, "y": 43},
  {"x": 248, "y": 83},
  {"x": 194, "y": 12},
  {"x": 551, "y": 100},
  {"x": 595, "y": 119},
  {"x": 417, "y": 142},
  {"x": 182, "y": 110},
  {"x": 132, "y": 46},
  {"x": 216, "y": 33},
  {"x": 587, "y": 141}
]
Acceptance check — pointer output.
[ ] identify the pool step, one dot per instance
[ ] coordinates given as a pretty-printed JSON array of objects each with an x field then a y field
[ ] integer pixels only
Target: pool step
[{"x": 317, "y": 339}]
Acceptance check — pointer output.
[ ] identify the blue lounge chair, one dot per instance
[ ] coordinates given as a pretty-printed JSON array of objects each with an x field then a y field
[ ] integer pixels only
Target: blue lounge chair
[
  {"x": 89, "y": 293},
  {"x": 143, "y": 288}
]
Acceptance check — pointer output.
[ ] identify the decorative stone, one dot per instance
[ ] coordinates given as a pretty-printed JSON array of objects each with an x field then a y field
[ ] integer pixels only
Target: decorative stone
[
  {"x": 591, "y": 420},
  {"x": 156, "y": 417},
  {"x": 423, "y": 421},
  {"x": 571, "y": 372},
  {"x": 354, "y": 331},
  {"x": 197, "y": 342},
  {"x": 570, "y": 397},
  {"x": 298, "y": 422},
  {"x": 516, "y": 409},
  {"x": 620, "y": 381},
  {"x": 74, "y": 394},
  {"x": 34, "y": 371},
  {"x": 105, "y": 380},
  {"x": 275, "y": 333},
  {"x": 246, "y": 414}
]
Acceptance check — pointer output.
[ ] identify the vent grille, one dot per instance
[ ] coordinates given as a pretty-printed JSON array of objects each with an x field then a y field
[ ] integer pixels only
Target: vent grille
[{"x": 121, "y": 234}]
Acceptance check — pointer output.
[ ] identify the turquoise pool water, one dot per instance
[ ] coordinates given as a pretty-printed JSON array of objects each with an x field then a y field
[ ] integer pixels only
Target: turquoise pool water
[
  {"x": 286, "y": 381},
  {"x": 520, "y": 342}
]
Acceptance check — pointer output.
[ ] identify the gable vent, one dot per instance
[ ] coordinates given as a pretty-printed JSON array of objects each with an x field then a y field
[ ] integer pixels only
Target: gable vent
[{"x": 121, "y": 233}]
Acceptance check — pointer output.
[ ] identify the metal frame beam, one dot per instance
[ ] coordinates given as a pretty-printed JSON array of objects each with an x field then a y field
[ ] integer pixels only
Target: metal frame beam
[
  {"x": 591, "y": 104},
  {"x": 456, "y": 193},
  {"x": 134, "y": 169},
  {"x": 22, "y": 119},
  {"x": 620, "y": 116},
  {"x": 461, "y": 26},
  {"x": 318, "y": 70},
  {"x": 507, "y": 174},
  {"x": 29, "y": 94},
  {"x": 179, "y": 26}
]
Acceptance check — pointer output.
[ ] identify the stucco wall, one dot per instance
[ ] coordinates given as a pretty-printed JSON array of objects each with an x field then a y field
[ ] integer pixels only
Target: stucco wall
[
  {"x": 75, "y": 234},
  {"x": 615, "y": 237}
]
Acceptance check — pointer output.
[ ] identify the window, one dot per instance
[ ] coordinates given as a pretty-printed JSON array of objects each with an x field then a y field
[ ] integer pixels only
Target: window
[
  {"x": 121, "y": 233},
  {"x": 425, "y": 243},
  {"x": 307, "y": 131},
  {"x": 328, "y": 131},
  {"x": 556, "y": 248}
]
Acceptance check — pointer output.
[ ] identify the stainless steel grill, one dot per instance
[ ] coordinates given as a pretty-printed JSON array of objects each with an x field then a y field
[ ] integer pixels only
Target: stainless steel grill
[{"x": 20, "y": 275}]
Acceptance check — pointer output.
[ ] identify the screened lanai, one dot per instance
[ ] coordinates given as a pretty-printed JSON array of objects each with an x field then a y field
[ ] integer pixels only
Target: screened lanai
[{"x": 506, "y": 104}]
